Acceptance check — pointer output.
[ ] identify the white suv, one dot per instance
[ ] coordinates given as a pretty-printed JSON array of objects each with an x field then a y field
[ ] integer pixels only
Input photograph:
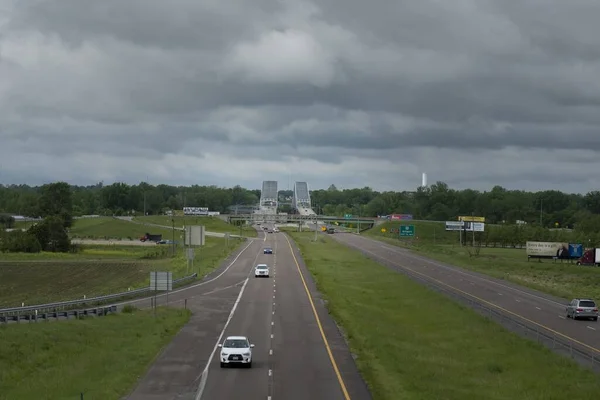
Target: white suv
[
  {"x": 261, "y": 270},
  {"x": 236, "y": 350}
]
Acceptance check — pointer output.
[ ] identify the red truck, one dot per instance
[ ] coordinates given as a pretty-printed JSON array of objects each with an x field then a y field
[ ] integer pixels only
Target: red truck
[
  {"x": 590, "y": 257},
  {"x": 148, "y": 237}
]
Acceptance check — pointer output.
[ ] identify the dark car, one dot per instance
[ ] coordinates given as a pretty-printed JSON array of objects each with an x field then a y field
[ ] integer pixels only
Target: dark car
[{"x": 267, "y": 250}]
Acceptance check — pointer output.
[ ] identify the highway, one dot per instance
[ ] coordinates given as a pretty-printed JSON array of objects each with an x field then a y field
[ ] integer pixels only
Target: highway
[
  {"x": 299, "y": 353},
  {"x": 531, "y": 306}
]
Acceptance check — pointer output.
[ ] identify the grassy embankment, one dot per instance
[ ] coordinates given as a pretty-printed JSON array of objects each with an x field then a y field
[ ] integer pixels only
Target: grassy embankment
[
  {"x": 98, "y": 270},
  {"x": 211, "y": 224},
  {"x": 408, "y": 348},
  {"x": 99, "y": 357},
  {"x": 561, "y": 279}
]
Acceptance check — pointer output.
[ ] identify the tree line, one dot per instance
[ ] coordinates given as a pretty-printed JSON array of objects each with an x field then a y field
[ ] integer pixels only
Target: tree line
[
  {"x": 55, "y": 205},
  {"x": 550, "y": 208}
]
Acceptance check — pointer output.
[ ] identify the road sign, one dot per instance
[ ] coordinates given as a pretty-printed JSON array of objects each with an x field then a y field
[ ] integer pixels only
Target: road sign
[
  {"x": 194, "y": 235},
  {"x": 161, "y": 281},
  {"x": 347, "y": 216},
  {"x": 407, "y": 230}
]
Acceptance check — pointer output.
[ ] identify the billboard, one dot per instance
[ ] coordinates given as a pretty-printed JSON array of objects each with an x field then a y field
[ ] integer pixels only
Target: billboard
[
  {"x": 471, "y": 219},
  {"x": 195, "y": 210},
  {"x": 468, "y": 226},
  {"x": 401, "y": 217},
  {"x": 547, "y": 249}
]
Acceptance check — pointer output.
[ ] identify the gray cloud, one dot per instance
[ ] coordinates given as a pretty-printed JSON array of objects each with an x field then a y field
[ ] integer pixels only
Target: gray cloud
[{"x": 474, "y": 92}]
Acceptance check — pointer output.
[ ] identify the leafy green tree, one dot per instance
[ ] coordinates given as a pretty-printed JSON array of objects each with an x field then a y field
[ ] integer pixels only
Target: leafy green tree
[
  {"x": 7, "y": 221},
  {"x": 51, "y": 234},
  {"x": 56, "y": 200},
  {"x": 19, "y": 242}
]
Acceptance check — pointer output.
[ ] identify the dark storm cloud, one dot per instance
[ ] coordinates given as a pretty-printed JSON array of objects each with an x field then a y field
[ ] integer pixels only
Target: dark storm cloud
[{"x": 475, "y": 92}]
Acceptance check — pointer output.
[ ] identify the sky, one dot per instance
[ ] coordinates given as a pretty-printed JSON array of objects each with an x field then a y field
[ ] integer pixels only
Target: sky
[{"x": 475, "y": 93}]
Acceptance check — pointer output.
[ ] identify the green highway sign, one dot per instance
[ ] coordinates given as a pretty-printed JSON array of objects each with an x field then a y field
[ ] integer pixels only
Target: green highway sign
[
  {"x": 407, "y": 231},
  {"x": 348, "y": 216}
]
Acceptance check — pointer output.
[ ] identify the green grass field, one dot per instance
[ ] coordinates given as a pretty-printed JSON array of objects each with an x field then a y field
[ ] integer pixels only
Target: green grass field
[
  {"x": 116, "y": 229},
  {"x": 212, "y": 224},
  {"x": 99, "y": 357},
  {"x": 560, "y": 279},
  {"x": 99, "y": 270},
  {"x": 412, "y": 349}
]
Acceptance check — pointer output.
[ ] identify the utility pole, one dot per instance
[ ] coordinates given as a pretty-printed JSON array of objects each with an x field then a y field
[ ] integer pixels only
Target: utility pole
[
  {"x": 316, "y": 220},
  {"x": 473, "y": 227},
  {"x": 173, "y": 222},
  {"x": 541, "y": 212}
]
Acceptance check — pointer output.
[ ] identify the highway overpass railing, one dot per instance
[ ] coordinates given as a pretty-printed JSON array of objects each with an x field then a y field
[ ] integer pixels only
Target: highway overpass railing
[{"x": 71, "y": 306}]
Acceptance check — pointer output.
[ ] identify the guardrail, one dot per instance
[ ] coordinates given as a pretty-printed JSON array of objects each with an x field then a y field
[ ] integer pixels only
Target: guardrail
[
  {"x": 562, "y": 344},
  {"x": 53, "y": 307},
  {"x": 97, "y": 311}
]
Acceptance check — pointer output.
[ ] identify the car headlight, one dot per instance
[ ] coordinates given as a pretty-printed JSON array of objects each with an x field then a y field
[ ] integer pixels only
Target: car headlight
[
  {"x": 223, "y": 354},
  {"x": 247, "y": 354}
]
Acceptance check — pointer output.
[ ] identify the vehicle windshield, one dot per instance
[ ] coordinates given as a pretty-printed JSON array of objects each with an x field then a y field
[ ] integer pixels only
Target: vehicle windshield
[
  {"x": 261, "y": 267},
  {"x": 236, "y": 343},
  {"x": 587, "y": 303},
  {"x": 268, "y": 248}
]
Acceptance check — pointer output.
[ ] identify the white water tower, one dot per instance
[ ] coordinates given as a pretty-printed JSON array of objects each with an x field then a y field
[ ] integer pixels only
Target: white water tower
[{"x": 424, "y": 179}]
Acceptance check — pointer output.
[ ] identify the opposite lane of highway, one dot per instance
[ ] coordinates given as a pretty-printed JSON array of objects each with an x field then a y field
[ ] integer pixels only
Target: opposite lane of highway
[
  {"x": 291, "y": 357},
  {"x": 540, "y": 309},
  {"x": 176, "y": 372}
]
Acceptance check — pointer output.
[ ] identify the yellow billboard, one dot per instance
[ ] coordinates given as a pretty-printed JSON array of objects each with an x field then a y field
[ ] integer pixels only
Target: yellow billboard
[{"x": 471, "y": 219}]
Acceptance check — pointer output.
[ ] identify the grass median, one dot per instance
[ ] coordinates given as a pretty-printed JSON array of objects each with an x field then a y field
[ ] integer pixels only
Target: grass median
[
  {"x": 100, "y": 357},
  {"x": 98, "y": 270},
  {"x": 414, "y": 343},
  {"x": 562, "y": 279}
]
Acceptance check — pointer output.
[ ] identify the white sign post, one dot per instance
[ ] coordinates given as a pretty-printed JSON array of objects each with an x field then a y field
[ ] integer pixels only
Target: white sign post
[
  {"x": 163, "y": 281},
  {"x": 195, "y": 235},
  {"x": 190, "y": 254}
]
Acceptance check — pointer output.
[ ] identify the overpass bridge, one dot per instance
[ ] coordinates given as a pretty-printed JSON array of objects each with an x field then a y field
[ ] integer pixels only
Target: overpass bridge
[
  {"x": 301, "y": 206},
  {"x": 282, "y": 218}
]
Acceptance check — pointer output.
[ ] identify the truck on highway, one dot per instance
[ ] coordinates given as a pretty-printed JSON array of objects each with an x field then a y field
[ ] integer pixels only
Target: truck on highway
[
  {"x": 590, "y": 257},
  {"x": 148, "y": 237}
]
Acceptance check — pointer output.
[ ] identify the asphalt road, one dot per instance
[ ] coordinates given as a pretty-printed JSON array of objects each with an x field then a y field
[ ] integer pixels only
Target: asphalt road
[
  {"x": 296, "y": 354},
  {"x": 530, "y": 306}
]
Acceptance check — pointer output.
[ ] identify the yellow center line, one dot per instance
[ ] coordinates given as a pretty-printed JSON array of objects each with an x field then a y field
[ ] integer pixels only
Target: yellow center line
[
  {"x": 486, "y": 302},
  {"x": 312, "y": 304}
]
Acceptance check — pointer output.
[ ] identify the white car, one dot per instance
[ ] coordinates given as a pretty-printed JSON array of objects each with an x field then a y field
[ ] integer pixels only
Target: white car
[
  {"x": 236, "y": 350},
  {"x": 261, "y": 270}
]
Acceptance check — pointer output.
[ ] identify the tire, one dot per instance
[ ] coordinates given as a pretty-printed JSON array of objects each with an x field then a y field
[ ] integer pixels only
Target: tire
[
  {"x": 595, "y": 318},
  {"x": 249, "y": 365},
  {"x": 222, "y": 365}
]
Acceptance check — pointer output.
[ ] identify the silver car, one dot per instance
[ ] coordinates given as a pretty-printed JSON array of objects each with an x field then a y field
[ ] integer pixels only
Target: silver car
[{"x": 582, "y": 308}]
